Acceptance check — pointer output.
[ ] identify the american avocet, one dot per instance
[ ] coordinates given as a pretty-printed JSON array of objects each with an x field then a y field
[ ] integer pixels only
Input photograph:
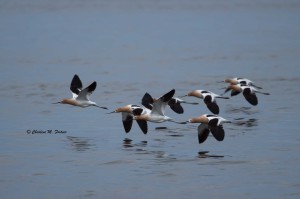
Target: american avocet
[
  {"x": 174, "y": 103},
  {"x": 248, "y": 92},
  {"x": 210, "y": 123},
  {"x": 209, "y": 99},
  {"x": 157, "y": 114},
  {"x": 81, "y": 97},
  {"x": 239, "y": 80},
  {"x": 127, "y": 116}
]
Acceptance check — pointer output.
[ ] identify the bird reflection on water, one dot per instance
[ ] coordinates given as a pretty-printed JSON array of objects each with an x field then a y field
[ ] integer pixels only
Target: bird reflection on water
[
  {"x": 242, "y": 110},
  {"x": 246, "y": 122},
  {"x": 80, "y": 143},
  {"x": 204, "y": 154},
  {"x": 127, "y": 143}
]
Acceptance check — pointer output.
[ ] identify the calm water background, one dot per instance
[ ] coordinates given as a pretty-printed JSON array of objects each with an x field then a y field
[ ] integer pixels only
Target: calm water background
[{"x": 132, "y": 47}]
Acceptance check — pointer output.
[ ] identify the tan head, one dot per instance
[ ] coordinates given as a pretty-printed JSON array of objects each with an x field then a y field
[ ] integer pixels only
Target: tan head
[
  {"x": 231, "y": 81},
  {"x": 195, "y": 93},
  {"x": 235, "y": 87},
  {"x": 68, "y": 101},
  {"x": 126, "y": 109},
  {"x": 200, "y": 119}
]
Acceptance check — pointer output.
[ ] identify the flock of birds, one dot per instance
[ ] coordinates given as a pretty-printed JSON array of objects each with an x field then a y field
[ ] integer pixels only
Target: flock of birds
[{"x": 153, "y": 109}]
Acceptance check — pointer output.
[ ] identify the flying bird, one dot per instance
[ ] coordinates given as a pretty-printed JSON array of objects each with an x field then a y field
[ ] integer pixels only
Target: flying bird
[
  {"x": 209, "y": 99},
  {"x": 157, "y": 113},
  {"x": 81, "y": 97},
  {"x": 174, "y": 103},
  {"x": 210, "y": 123},
  {"x": 127, "y": 117},
  {"x": 249, "y": 92},
  {"x": 239, "y": 80}
]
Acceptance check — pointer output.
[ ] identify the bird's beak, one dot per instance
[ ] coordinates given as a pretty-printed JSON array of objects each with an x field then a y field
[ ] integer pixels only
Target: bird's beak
[
  {"x": 111, "y": 112},
  {"x": 101, "y": 107}
]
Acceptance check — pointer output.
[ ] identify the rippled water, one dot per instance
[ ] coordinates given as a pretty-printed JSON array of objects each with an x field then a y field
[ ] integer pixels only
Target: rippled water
[{"x": 130, "y": 48}]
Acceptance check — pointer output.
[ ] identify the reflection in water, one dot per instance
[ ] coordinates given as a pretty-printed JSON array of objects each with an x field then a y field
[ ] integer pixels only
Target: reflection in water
[
  {"x": 242, "y": 110},
  {"x": 160, "y": 154},
  {"x": 204, "y": 154},
  {"x": 161, "y": 128},
  {"x": 80, "y": 143},
  {"x": 140, "y": 149},
  {"x": 127, "y": 143},
  {"x": 175, "y": 135},
  {"x": 169, "y": 132},
  {"x": 245, "y": 122}
]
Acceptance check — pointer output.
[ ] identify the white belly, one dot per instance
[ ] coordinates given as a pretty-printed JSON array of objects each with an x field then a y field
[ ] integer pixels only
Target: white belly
[{"x": 158, "y": 118}]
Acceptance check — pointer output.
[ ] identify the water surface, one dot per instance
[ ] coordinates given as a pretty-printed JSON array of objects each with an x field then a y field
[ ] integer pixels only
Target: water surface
[{"x": 130, "y": 48}]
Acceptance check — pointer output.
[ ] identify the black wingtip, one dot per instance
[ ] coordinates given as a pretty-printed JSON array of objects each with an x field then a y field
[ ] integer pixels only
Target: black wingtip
[
  {"x": 213, "y": 107},
  {"x": 127, "y": 124},
  {"x": 202, "y": 137},
  {"x": 218, "y": 132},
  {"x": 76, "y": 84},
  {"x": 175, "y": 106},
  {"x": 203, "y": 133},
  {"x": 250, "y": 97},
  {"x": 168, "y": 96},
  {"x": 92, "y": 86},
  {"x": 143, "y": 125},
  {"x": 147, "y": 101}
]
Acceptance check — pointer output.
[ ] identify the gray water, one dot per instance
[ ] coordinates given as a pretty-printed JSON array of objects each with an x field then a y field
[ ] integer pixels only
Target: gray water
[{"x": 132, "y": 47}]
